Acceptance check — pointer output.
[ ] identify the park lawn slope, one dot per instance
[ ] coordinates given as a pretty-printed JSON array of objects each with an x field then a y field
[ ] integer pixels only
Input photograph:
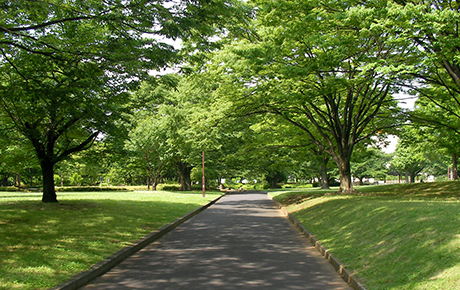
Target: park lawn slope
[
  {"x": 393, "y": 236},
  {"x": 42, "y": 245}
]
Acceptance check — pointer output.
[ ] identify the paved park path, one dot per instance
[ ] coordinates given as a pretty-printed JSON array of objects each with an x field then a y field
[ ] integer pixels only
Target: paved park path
[{"x": 241, "y": 242}]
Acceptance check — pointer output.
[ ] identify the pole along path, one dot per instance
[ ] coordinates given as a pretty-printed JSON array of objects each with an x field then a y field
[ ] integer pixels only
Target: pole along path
[{"x": 241, "y": 242}]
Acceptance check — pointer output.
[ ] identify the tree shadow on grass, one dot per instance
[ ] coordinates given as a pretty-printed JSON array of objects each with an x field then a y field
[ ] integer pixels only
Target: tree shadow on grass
[
  {"x": 393, "y": 243},
  {"x": 45, "y": 244},
  {"x": 297, "y": 197},
  {"x": 425, "y": 191},
  {"x": 447, "y": 189}
]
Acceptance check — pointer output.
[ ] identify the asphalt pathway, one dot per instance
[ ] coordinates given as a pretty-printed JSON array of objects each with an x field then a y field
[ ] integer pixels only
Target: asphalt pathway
[{"x": 241, "y": 242}]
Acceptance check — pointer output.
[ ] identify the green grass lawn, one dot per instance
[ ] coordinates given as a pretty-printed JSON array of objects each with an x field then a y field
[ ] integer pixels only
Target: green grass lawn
[
  {"x": 43, "y": 245},
  {"x": 393, "y": 236}
]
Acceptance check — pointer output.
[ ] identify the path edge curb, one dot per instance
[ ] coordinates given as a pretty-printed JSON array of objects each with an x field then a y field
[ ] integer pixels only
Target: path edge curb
[
  {"x": 346, "y": 274},
  {"x": 104, "y": 266}
]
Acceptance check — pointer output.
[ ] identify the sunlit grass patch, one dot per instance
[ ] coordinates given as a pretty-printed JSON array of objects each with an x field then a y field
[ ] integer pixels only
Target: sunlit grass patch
[
  {"x": 43, "y": 245},
  {"x": 394, "y": 237}
]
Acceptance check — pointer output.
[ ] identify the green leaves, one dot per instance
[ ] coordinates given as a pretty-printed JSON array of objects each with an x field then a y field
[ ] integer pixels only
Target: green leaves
[
  {"x": 66, "y": 67},
  {"x": 327, "y": 68}
]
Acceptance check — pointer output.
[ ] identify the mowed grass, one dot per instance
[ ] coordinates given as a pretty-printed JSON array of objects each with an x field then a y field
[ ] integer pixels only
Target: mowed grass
[
  {"x": 43, "y": 245},
  {"x": 403, "y": 236}
]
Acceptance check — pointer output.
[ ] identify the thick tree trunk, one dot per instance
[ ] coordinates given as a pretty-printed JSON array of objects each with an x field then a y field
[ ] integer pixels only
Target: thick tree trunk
[
  {"x": 184, "y": 170},
  {"x": 346, "y": 184},
  {"x": 49, "y": 193}
]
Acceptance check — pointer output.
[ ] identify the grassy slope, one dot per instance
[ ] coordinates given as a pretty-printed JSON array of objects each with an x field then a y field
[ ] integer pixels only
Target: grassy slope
[
  {"x": 394, "y": 237},
  {"x": 42, "y": 245}
]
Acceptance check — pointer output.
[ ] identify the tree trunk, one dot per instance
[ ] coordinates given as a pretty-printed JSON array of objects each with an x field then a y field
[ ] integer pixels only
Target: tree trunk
[
  {"x": 346, "y": 184},
  {"x": 324, "y": 177},
  {"x": 412, "y": 177},
  {"x": 184, "y": 170},
  {"x": 274, "y": 181},
  {"x": 155, "y": 181},
  {"x": 454, "y": 167},
  {"x": 19, "y": 181},
  {"x": 49, "y": 193}
]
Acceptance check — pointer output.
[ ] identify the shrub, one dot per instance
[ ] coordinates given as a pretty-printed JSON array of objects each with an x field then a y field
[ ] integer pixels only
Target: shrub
[
  {"x": 88, "y": 188},
  {"x": 8, "y": 188}
]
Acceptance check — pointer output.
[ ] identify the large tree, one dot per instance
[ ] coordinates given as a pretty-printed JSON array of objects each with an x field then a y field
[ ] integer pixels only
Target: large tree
[
  {"x": 150, "y": 141},
  {"x": 409, "y": 160},
  {"x": 58, "y": 106},
  {"x": 66, "y": 67},
  {"x": 324, "y": 67}
]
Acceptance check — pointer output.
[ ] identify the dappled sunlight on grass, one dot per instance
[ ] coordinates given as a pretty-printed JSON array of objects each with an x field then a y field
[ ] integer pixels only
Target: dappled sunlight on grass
[
  {"x": 447, "y": 189},
  {"x": 45, "y": 244},
  {"x": 394, "y": 237}
]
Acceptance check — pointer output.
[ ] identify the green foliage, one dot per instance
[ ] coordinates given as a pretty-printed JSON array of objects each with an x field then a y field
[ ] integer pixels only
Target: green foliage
[
  {"x": 89, "y": 188},
  {"x": 327, "y": 71},
  {"x": 181, "y": 129},
  {"x": 168, "y": 187},
  {"x": 432, "y": 32},
  {"x": 436, "y": 128},
  {"x": 8, "y": 189},
  {"x": 16, "y": 159},
  {"x": 432, "y": 66},
  {"x": 66, "y": 68},
  {"x": 323, "y": 74},
  {"x": 410, "y": 158},
  {"x": 370, "y": 163},
  {"x": 150, "y": 142},
  {"x": 76, "y": 179}
]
